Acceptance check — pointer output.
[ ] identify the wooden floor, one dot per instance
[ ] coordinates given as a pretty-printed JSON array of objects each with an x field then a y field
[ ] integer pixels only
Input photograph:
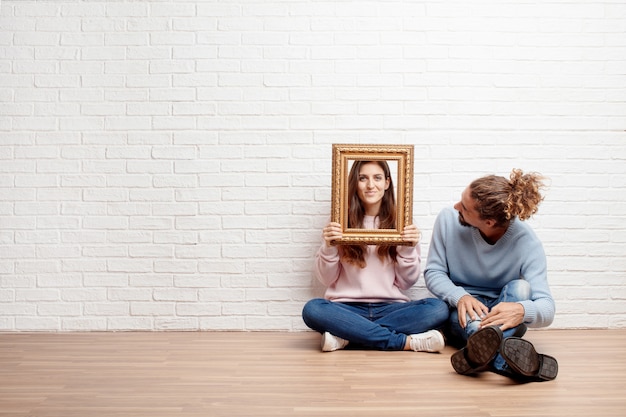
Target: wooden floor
[{"x": 285, "y": 374}]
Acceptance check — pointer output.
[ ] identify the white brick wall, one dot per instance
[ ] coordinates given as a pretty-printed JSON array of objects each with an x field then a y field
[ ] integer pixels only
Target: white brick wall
[{"x": 166, "y": 164}]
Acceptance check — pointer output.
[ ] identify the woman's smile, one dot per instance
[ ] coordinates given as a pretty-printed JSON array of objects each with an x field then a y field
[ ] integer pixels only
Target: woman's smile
[{"x": 371, "y": 187}]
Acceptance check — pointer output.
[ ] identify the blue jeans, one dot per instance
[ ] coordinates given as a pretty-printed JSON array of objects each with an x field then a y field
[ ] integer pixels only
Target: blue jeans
[
  {"x": 516, "y": 290},
  {"x": 382, "y": 326}
]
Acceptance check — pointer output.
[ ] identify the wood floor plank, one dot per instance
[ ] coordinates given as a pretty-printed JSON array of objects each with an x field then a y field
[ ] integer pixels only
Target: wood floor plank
[{"x": 285, "y": 374}]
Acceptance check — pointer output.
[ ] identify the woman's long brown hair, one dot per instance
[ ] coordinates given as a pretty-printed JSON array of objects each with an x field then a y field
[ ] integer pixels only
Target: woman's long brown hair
[{"x": 354, "y": 254}]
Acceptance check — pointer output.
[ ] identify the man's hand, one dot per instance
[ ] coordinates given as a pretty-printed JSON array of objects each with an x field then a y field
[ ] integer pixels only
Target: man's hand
[
  {"x": 469, "y": 305},
  {"x": 504, "y": 315}
]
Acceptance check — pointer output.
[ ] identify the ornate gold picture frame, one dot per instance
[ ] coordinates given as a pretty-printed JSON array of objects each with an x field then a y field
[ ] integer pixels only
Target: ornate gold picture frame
[{"x": 398, "y": 156}]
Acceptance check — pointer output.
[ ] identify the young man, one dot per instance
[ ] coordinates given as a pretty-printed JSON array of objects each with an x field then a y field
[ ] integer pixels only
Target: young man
[{"x": 490, "y": 267}]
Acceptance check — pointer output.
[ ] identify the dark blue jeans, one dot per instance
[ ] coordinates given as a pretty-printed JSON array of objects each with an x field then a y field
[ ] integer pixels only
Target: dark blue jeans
[{"x": 382, "y": 326}]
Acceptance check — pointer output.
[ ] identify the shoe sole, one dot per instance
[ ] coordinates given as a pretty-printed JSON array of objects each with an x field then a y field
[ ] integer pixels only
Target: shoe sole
[
  {"x": 480, "y": 350},
  {"x": 483, "y": 345},
  {"x": 522, "y": 357},
  {"x": 460, "y": 363}
]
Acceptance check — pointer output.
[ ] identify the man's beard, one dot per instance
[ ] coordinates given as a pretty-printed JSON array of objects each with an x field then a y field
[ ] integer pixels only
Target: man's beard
[{"x": 463, "y": 222}]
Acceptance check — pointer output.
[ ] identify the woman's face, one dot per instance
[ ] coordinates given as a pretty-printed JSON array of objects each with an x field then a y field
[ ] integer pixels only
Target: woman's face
[{"x": 372, "y": 185}]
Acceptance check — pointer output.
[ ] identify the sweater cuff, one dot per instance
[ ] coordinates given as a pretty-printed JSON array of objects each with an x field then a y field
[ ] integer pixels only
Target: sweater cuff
[
  {"x": 530, "y": 312},
  {"x": 457, "y": 295},
  {"x": 407, "y": 251},
  {"x": 329, "y": 251}
]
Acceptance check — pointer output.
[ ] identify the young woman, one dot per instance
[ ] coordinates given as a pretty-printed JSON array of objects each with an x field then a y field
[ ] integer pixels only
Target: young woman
[{"x": 364, "y": 304}]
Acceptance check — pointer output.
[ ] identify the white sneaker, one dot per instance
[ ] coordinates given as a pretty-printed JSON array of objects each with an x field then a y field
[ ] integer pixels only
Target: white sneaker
[
  {"x": 331, "y": 343},
  {"x": 430, "y": 341}
]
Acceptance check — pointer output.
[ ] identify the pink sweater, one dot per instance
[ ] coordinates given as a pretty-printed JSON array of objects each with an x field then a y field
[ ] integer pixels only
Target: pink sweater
[{"x": 377, "y": 282}]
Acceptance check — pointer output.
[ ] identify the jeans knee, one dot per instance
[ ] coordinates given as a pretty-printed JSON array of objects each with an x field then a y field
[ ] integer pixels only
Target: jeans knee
[
  {"x": 517, "y": 290},
  {"x": 310, "y": 311},
  {"x": 440, "y": 308}
]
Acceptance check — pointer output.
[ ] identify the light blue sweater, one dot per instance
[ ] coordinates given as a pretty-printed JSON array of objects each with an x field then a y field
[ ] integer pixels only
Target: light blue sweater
[{"x": 461, "y": 262}]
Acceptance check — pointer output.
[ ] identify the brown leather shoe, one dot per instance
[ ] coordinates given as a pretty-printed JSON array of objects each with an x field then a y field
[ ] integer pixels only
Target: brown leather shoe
[
  {"x": 522, "y": 358},
  {"x": 480, "y": 350}
]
